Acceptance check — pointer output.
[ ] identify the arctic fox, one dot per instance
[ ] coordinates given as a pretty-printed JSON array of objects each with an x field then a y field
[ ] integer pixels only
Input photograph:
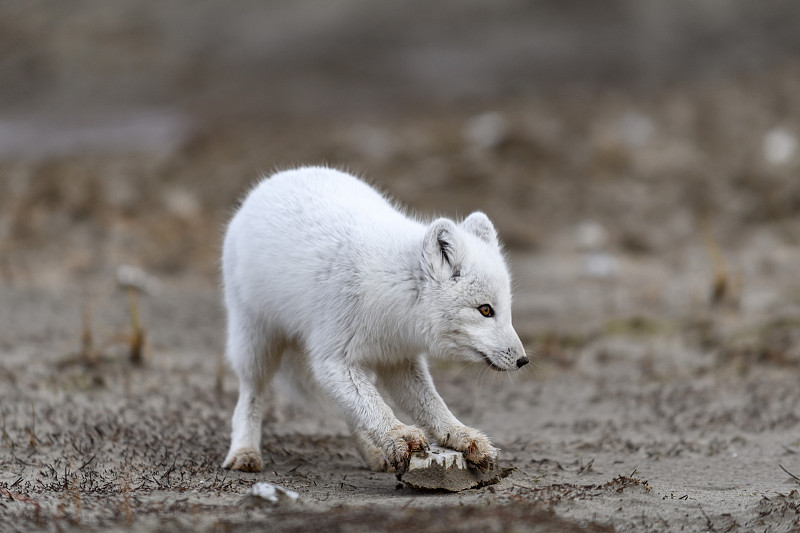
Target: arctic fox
[{"x": 318, "y": 260}]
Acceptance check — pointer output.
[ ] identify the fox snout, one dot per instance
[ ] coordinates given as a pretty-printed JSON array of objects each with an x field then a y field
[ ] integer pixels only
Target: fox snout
[
  {"x": 521, "y": 360},
  {"x": 519, "y": 352},
  {"x": 508, "y": 359}
]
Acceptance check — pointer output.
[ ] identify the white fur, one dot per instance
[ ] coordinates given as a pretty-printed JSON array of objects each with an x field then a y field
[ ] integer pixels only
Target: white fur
[{"x": 318, "y": 260}]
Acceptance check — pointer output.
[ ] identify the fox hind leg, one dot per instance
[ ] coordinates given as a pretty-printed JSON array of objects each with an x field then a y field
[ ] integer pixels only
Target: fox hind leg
[{"x": 255, "y": 356}]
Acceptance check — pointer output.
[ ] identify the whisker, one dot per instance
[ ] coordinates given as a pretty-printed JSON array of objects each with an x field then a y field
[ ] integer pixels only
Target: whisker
[
  {"x": 483, "y": 374},
  {"x": 466, "y": 365}
]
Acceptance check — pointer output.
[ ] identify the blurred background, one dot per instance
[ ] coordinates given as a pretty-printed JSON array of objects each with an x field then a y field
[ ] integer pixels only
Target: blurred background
[{"x": 636, "y": 155}]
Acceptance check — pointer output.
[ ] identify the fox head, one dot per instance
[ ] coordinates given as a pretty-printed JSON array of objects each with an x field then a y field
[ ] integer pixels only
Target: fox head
[{"x": 466, "y": 294}]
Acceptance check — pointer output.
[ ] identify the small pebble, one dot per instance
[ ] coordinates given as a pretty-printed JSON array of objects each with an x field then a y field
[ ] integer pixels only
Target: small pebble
[
  {"x": 268, "y": 493},
  {"x": 780, "y": 146},
  {"x": 486, "y": 130}
]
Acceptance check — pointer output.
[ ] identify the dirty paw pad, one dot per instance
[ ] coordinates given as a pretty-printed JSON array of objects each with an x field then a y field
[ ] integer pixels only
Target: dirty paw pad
[
  {"x": 245, "y": 460},
  {"x": 476, "y": 447},
  {"x": 402, "y": 442}
]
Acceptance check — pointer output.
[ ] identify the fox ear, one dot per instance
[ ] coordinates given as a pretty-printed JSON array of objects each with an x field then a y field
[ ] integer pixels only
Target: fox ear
[
  {"x": 479, "y": 225},
  {"x": 441, "y": 249}
]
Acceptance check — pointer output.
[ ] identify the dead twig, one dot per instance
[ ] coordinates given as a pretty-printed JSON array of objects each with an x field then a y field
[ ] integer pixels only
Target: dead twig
[
  {"x": 88, "y": 353},
  {"x": 725, "y": 289},
  {"x": 3, "y": 434},
  {"x": 793, "y": 476},
  {"x": 135, "y": 280},
  {"x": 709, "y": 523},
  {"x": 138, "y": 334},
  {"x": 84, "y": 465},
  {"x": 586, "y": 467},
  {"x": 32, "y": 440}
]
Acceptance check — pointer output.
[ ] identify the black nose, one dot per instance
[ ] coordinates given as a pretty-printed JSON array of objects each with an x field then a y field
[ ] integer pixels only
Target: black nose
[{"x": 522, "y": 361}]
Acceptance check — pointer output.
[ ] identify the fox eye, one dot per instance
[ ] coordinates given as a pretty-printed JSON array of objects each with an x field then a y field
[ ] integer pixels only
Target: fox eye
[{"x": 486, "y": 310}]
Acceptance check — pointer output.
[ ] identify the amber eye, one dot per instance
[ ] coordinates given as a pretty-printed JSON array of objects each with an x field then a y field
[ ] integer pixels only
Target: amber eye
[{"x": 486, "y": 310}]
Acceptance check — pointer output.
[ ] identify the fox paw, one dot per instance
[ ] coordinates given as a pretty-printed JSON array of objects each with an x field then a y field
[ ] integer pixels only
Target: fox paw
[
  {"x": 244, "y": 459},
  {"x": 399, "y": 443},
  {"x": 476, "y": 447}
]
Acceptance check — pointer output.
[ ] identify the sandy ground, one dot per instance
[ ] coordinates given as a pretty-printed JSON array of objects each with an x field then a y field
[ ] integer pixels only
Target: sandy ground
[{"x": 629, "y": 422}]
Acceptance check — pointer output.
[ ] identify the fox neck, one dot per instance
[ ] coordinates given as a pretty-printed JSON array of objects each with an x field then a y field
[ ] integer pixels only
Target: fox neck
[{"x": 397, "y": 284}]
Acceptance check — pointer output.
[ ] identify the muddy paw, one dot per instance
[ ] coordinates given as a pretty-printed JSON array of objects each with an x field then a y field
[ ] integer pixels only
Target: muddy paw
[
  {"x": 244, "y": 459},
  {"x": 475, "y": 446},
  {"x": 399, "y": 443}
]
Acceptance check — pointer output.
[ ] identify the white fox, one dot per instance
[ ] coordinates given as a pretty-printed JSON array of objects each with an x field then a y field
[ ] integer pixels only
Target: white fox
[{"x": 318, "y": 260}]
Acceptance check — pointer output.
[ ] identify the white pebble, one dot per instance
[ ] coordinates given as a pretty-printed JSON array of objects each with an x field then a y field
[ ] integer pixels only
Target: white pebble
[
  {"x": 780, "y": 146},
  {"x": 129, "y": 276},
  {"x": 486, "y": 130},
  {"x": 271, "y": 493},
  {"x": 601, "y": 265},
  {"x": 591, "y": 235},
  {"x": 635, "y": 129}
]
